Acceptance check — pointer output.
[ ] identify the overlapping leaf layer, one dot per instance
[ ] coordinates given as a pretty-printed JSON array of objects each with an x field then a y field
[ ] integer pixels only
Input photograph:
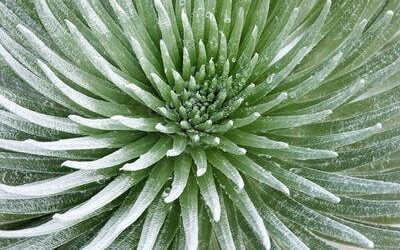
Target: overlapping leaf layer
[{"x": 199, "y": 124}]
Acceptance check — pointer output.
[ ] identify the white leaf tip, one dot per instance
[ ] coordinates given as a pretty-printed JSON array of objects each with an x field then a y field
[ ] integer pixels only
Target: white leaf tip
[
  {"x": 378, "y": 125},
  {"x": 59, "y": 217},
  {"x": 216, "y": 214},
  {"x": 284, "y": 145},
  {"x": 335, "y": 199},
  {"x": 240, "y": 185},
  {"x": 126, "y": 167},
  {"x": 159, "y": 127},
  {"x": 201, "y": 171},
  {"x": 21, "y": 27},
  {"x": 30, "y": 141},
  {"x": 116, "y": 117},
  {"x": 73, "y": 116},
  {"x": 242, "y": 151},
  {"x": 66, "y": 163},
  {"x": 283, "y": 96},
  {"x": 389, "y": 13},
  {"x": 41, "y": 63},
  {"x": 171, "y": 153},
  {"x": 70, "y": 24},
  {"x": 169, "y": 199},
  {"x": 369, "y": 243},
  {"x": 286, "y": 190}
]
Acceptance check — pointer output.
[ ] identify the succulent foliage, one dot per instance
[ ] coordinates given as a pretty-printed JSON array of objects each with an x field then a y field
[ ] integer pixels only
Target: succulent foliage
[{"x": 231, "y": 124}]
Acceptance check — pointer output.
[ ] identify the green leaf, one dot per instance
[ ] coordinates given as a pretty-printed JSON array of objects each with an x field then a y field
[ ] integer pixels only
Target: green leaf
[
  {"x": 200, "y": 160},
  {"x": 124, "y": 154},
  {"x": 255, "y": 171},
  {"x": 220, "y": 162},
  {"x": 112, "y": 191},
  {"x": 269, "y": 123},
  {"x": 44, "y": 205},
  {"x": 156, "y": 214},
  {"x": 57, "y": 239},
  {"x": 182, "y": 166},
  {"x": 222, "y": 229},
  {"x": 47, "y": 121},
  {"x": 277, "y": 228},
  {"x": 56, "y": 185},
  {"x": 341, "y": 183},
  {"x": 299, "y": 183},
  {"x": 189, "y": 211},
  {"x": 245, "y": 205},
  {"x": 296, "y": 212},
  {"x": 169, "y": 229},
  {"x": 179, "y": 145},
  {"x": 132, "y": 208},
  {"x": 155, "y": 154},
  {"x": 138, "y": 123},
  {"x": 209, "y": 193},
  {"x": 251, "y": 140},
  {"x": 84, "y": 79},
  {"x": 107, "y": 140},
  {"x": 97, "y": 106}
]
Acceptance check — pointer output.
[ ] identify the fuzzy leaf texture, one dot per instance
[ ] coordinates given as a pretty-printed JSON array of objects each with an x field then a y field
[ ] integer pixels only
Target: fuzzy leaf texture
[{"x": 199, "y": 124}]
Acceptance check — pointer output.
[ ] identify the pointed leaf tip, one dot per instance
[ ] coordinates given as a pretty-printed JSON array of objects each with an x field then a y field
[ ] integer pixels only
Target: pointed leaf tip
[
  {"x": 389, "y": 13},
  {"x": 201, "y": 172}
]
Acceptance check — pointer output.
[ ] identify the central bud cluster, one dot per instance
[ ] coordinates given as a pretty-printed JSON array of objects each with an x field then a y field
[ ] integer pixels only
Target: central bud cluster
[{"x": 202, "y": 102}]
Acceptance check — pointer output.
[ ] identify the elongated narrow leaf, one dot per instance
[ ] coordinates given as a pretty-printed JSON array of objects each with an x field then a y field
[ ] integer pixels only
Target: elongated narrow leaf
[
  {"x": 317, "y": 222},
  {"x": 182, "y": 168},
  {"x": 132, "y": 208},
  {"x": 298, "y": 183},
  {"x": 157, "y": 212},
  {"x": 109, "y": 140},
  {"x": 252, "y": 140},
  {"x": 89, "y": 103},
  {"x": 139, "y": 123},
  {"x": 57, "y": 185},
  {"x": 276, "y": 227},
  {"x": 97, "y": 86},
  {"x": 223, "y": 230},
  {"x": 219, "y": 161},
  {"x": 98, "y": 123},
  {"x": 155, "y": 154},
  {"x": 200, "y": 160},
  {"x": 252, "y": 169},
  {"x": 48, "y": 121},
  {"x": 199, "y": 124},
  {"x": 209, "y": 193},
  {"x": 114, "y": 189},
  {"x": 122, "y": 155},
  {"x": 246, "y": 207},
  {"x": 279, "y": 122},
  {"x": 178, "y": 146},
  {"x": 169, "y": 229},
  {"x": 189, "y": 209}
]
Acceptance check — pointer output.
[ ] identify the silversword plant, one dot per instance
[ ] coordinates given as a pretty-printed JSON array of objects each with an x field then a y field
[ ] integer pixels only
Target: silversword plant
[{"x": 199, "y": 124}]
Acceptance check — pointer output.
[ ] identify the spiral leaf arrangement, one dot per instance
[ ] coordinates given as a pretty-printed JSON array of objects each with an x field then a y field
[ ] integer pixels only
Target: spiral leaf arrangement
[{"x": 199, "y": 124}]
